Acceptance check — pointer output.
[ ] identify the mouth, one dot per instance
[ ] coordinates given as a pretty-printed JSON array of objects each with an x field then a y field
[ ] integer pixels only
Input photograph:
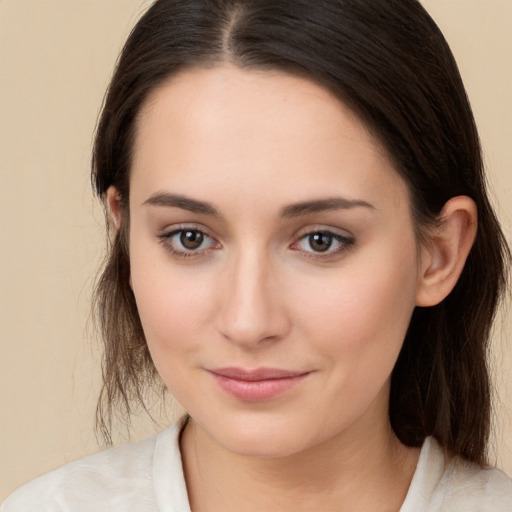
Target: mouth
[{"x": 256, "y": 385}]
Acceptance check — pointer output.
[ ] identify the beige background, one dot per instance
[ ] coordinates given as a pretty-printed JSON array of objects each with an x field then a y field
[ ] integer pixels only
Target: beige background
[{"x": 55, "y": 61}]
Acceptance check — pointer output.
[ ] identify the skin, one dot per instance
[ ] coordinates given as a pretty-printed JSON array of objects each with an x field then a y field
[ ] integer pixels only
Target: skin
[{"x": 257, "y": 293}]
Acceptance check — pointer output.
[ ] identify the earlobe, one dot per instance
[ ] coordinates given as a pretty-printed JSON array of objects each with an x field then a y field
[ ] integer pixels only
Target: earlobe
[
  {"x": 443, "y": 259},
  {"x": 114, "y": 206}
]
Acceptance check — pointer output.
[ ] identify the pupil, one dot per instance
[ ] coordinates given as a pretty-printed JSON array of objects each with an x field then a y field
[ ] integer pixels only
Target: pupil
[
  {"x": 191, "y": 239},
  {"x": 320, "y": 242}
]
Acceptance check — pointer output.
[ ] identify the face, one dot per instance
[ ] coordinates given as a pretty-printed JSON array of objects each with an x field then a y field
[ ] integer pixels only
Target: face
[{"x": 273, "y": 259}]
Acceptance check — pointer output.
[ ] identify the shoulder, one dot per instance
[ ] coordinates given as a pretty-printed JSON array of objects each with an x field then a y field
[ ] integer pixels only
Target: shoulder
[
  {"x": 121, "y": 477},
  {"x": 469, "y": 487},
  {"x": 444, "y": 483}
]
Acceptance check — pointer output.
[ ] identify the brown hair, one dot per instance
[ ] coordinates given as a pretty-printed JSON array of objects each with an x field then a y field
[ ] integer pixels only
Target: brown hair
[{"x": 388, "y": 61}]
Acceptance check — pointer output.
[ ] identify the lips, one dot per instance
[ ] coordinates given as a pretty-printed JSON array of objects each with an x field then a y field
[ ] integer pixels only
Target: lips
[{"x": 256, "y": 385}]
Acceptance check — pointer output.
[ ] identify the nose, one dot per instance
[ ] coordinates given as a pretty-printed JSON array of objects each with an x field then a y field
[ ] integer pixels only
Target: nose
[{"x": 252, "y": 309}]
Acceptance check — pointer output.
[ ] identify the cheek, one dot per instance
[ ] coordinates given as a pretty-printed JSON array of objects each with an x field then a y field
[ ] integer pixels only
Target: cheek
[
  {"x": 173, "y": 317},
  {"x": 174, "y": 303},
  {"x": 360, "y": 314}
]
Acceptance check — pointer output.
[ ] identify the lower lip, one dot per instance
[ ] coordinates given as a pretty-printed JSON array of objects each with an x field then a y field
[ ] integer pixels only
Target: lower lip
[{"x": 257, "y": 390}]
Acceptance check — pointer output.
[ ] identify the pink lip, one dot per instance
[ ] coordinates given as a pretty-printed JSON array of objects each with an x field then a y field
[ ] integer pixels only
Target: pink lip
[{"x": 256, "y": 385}]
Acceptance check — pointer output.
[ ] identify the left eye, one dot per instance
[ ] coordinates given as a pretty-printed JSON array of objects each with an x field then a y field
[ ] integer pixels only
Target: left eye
[{"x": 323, "y": 242}]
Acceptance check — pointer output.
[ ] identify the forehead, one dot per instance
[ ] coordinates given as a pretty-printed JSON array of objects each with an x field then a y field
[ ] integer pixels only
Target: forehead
[
  {"x": 269, "y": 99},
  {"x": 262, "y": 131}
]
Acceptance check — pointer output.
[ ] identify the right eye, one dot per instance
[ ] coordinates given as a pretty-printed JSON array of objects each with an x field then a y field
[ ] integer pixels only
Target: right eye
[{"x": 188, "y": 242}]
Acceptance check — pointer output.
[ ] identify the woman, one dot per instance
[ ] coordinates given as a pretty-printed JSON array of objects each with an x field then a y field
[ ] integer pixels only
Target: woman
[{"x": 304, "y": 253}]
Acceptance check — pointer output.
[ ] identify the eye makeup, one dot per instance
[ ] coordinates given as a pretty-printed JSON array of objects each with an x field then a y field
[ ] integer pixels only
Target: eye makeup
[
  {"x": 319, "y": 244},
  {"x": 323, "y": 245},
  {"x": 187, "y": 242}
]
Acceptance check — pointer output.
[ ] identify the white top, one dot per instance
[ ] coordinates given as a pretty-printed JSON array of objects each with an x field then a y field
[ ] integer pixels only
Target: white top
[{"x": 147, "y": 476}]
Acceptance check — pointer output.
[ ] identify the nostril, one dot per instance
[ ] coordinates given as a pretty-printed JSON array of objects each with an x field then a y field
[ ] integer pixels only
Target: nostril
[
  {"x": 250, "y": 309},
  {"x": 250, "y": 324}
]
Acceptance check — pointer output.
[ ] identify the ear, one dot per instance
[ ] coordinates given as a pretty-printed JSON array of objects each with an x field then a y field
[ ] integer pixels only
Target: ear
[
  {"x": 114, "y": 203},
  {"x": 114, "y": 206},
  {"x": 444, "y": 256}
]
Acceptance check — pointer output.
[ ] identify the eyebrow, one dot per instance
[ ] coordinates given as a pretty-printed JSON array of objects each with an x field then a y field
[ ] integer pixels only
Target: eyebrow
[
  {"x": 183, "y": 202},
  {"x": 293, "y": 210},
  {"x": 321, "y": 205}
]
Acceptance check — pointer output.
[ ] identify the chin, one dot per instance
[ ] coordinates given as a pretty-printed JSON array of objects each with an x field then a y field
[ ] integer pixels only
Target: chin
[
  {"x": 262, "y": 435},
  {"x": 267, "y": 445}
]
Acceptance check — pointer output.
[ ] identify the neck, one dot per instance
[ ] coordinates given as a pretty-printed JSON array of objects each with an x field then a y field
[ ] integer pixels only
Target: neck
[{"x": 352, "y": 471}]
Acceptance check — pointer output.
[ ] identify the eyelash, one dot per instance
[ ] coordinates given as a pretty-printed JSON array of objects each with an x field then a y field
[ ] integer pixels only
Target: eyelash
[
  {"x": 345, "y": 244},
  {"x": 166, "y": 241}
]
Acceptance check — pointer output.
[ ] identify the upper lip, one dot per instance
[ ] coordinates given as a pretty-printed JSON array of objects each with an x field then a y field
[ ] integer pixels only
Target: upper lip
[{"x": 257, "y": 373}]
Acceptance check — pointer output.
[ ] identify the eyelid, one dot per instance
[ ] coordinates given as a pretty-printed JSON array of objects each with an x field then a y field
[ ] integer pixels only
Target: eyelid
[
  {"x": 322, "y": 228},
  {"x": 346, "y": 240},
  {"x": 165, "y": 236},
  {"x": 183, "y": 226}
]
